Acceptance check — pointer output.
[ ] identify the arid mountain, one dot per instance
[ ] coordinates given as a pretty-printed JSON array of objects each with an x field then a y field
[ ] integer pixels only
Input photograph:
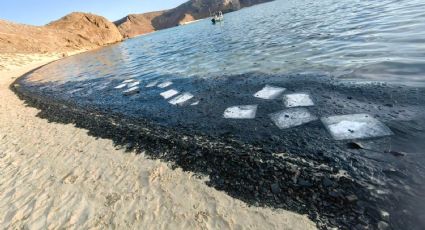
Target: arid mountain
[
  {"x": 247, "y": 3},
  {"x": 198, "y": 9},
  {"x": 19, "y": 38},
  {"x": 136, "y": 24},
  {"x": 94, "y": 29},
  {"x": 73, "y": 32}
]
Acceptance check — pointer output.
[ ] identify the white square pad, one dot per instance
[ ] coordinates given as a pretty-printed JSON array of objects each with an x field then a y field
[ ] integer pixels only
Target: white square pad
[
  {"x": 355, "y": 126},
  {"x": 240, "y": 112},
  {"x": 169, "y": 93},
  {"x": 181, "y": 99},
  {"x": 292, "y": 117},
  {"x": 165, "y": 84},
  {"x": 131, "y": 91},
  {"x": 269, "y": 92},
  {"x": 297, "y": 100}
]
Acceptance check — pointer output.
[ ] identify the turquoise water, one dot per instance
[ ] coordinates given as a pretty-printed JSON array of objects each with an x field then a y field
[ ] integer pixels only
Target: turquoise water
[{"x": 356, "y": 40}]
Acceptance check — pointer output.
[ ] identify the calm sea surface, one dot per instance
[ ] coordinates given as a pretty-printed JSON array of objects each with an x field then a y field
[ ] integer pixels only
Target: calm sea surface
[{"x": 356, "y": 39}]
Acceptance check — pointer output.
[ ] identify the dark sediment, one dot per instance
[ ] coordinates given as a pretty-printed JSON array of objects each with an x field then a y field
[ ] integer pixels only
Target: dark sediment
[{"x": 300, "y": 169}]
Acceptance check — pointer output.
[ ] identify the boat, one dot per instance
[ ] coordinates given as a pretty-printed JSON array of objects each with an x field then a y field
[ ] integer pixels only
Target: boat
[{"x": 218, "y": 17}]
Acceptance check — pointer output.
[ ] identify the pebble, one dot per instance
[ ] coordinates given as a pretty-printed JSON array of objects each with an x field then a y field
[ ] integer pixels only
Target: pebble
[
  {"x": 385, "y": 215},
  {"x": 383, "y": 225},
  {"x": 327, "y": 182},
  {"x": 396, "y": 153},
  {"x": 355, "y": 145},
  {"x": 275, "y": 188},
  {"x": 351, "y": 198},
  {"x": 304, "y": 183}
]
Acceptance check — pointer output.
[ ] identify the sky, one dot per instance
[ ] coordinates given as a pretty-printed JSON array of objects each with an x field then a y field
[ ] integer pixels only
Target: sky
[{"x": 41, "y": 12}]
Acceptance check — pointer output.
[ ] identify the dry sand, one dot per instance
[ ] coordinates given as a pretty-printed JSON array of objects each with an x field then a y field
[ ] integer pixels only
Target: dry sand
[{"x": 57, "y": 176}]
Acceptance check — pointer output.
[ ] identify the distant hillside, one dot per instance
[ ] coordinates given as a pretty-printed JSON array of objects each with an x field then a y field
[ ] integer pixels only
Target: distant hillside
[
  {"x": 93, "y": 28},
  {"x": 19, "y": 38},
  {"x": 198, "y": 9},
  {"x": 73, "y": 32},
  {"x": 136, "y": 24}
]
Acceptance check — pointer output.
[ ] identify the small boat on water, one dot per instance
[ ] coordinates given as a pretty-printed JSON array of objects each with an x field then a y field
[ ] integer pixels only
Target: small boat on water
[{"x": 218, "y": 17}]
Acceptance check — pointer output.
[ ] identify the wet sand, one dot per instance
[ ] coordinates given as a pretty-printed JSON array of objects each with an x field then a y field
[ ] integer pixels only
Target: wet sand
[{"x": 58, "y": 176}]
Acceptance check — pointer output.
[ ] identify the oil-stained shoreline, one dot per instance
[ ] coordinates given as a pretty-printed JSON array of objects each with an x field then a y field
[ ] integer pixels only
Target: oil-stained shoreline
[{"x": 299, "y": 172}]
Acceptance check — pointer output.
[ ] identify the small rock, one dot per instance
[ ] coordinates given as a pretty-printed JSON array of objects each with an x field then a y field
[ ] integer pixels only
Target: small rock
[
  {"x": 304, "y": 183},
  {"x": 359, "y": 226},
  {"x": 385, "y": 215},
  {"x": 129, "y": 146},
  {"x": 275, "y": 138},
  {"x": 220, "y": 182},
  {"x": 354, "y": 145},
  {"x": 349, "y": 97},
  {"x": 396, "y": 153},
  {"x": 275, "y": 188},
  {"x": 383, "y": 225},
  {"x": 351, "y": 198},
  {"x": 327, "y": 182},
  {"x": 334, "y": 194}
]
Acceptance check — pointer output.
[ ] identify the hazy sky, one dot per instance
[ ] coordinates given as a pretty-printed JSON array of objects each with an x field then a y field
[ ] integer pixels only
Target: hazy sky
[{"x": 40, "y": 12}]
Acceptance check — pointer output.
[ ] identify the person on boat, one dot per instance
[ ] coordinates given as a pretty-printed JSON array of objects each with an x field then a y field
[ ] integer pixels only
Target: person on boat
[
  {"x": 214, "y": 18},
  {"x": 218, "y": 16}
]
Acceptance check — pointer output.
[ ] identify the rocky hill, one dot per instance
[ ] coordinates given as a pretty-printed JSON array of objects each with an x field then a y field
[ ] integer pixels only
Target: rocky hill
[
  {"x": 136, "y": 24},
  {"x": 19, "y": 38},
  {"x": 75, "y": 31},
  {"x": 92, "y": 28},
  {"x": 198, "y": 9}
]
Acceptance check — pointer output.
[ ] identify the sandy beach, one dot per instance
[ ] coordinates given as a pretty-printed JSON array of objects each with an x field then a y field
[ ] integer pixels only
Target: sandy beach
[{"x": 56, "y": 176}]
